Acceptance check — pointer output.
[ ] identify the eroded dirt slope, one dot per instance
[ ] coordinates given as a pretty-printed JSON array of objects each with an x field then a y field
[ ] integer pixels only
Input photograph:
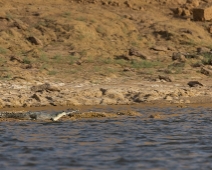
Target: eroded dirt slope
[{"x": 96, "y": 39}]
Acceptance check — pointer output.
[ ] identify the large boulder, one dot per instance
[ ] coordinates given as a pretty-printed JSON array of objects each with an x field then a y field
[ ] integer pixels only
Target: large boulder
[{"x": 202, "y": 13}]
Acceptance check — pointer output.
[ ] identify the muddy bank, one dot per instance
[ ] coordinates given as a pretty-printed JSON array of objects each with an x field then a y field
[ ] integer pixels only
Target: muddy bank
[
  {"x": 47, "y": 117},
  {"x": 87, "y": 113},
  {"x": 73, "y": 56}
]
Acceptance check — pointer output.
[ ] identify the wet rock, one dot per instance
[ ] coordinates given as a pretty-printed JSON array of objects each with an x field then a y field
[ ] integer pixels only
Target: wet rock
[
  {"x": 129, "y": 113},
  {"x": 194, "y": 83},
  {"x": 87, "y": 115},
  {"x": 155, "y": 116}
]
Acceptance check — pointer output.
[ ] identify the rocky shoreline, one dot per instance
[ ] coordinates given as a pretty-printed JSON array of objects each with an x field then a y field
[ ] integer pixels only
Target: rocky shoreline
[
  {"x": 16, "y": 94},
  {"x": 119, "y": 54}
]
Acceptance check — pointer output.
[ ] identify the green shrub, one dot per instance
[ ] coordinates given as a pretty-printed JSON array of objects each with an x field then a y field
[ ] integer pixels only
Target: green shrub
[
  {"x": 207, "y": 58},
  {"x": 26, "y": 61},
  {"x": 143, "y": 64}
]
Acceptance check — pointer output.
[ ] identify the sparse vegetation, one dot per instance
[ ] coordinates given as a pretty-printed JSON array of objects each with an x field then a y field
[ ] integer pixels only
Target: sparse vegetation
[
  {"x": 175, "y": 68},
  {"x": 66, "y": 14},
  {"x": 43, "y": 57},
  {"x": 9, "y": 16},
  {"x": 3, "y": 50},
  {"x": 2, "y": 60},
  {"x": 26, "y": 61},
  {"x": 207, "y": 60},
  {"x": 87, "y": 38},
  {"x": 57, "y": 58},
  {"x": 100, "y": 29},
  {"x": 71, "y": 59},
  {"x": 52, "y": 72},
  {"x": 143, "y": 64},
  {"x": 81, "y": 18},
  {"x": 121, "y": 62},
  {"x": 45, "y": 67}
]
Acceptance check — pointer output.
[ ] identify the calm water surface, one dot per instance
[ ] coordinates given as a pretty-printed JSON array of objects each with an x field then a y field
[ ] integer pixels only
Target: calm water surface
[{"x": 183, "y": 141}]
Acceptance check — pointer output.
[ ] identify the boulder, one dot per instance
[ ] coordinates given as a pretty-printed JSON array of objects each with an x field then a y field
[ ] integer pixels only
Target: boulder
[
  {"x": 202, "y": 13},
  {"x": 166, "y": 78},
  {"x": 194, "y": 3},
  {"x": 206, "y": 71},
  {"x": 203, "y": 50},
  {"x": 210, "y": 29},
  {"x": 34, "y": 40},
  {"x": 138, "y": 53},
  {"x": 16, "y": 58},
  {"x": 178, "y": 56},
  {"x": 40, "y": 88},
  {"x": 112, "y": 94},
  {"x": 194, "y": 83},
  {"x": 160, "y": 48}
]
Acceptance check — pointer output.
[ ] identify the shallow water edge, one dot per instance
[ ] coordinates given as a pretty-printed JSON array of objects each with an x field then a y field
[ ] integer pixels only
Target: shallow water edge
[{"x": 153, "y": 110}]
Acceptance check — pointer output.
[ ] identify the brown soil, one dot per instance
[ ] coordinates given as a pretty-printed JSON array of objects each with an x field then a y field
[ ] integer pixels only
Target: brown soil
[
  {"x": 99, "y": 41},
  {"x": 90, "y": 39}
]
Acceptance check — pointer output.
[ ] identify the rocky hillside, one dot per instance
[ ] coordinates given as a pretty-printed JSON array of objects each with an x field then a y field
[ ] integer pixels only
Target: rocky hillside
[{"x": 97, "y": 39}]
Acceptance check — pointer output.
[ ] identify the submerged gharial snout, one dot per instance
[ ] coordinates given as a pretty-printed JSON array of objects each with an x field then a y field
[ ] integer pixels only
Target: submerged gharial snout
[{"x": 59, "y": 115}]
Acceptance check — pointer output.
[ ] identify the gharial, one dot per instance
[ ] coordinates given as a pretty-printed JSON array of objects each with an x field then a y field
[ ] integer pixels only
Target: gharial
[{"x": 39, "y": 115}]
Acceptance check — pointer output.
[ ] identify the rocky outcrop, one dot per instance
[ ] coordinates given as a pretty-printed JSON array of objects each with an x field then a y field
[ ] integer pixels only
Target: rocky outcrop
[
  {"x": 206, "y": 71},
  {"x": 202, "y": 13},
  {"x": 138, "y": 53},
  {"x": 16, "y": 94}
]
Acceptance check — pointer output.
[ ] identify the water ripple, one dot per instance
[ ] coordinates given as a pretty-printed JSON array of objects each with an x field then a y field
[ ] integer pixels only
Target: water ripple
[{"x": 181, "y": 139}]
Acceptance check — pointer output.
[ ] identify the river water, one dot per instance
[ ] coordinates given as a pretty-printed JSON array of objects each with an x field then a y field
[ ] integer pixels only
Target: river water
[{"x": 182, "y": 139}]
